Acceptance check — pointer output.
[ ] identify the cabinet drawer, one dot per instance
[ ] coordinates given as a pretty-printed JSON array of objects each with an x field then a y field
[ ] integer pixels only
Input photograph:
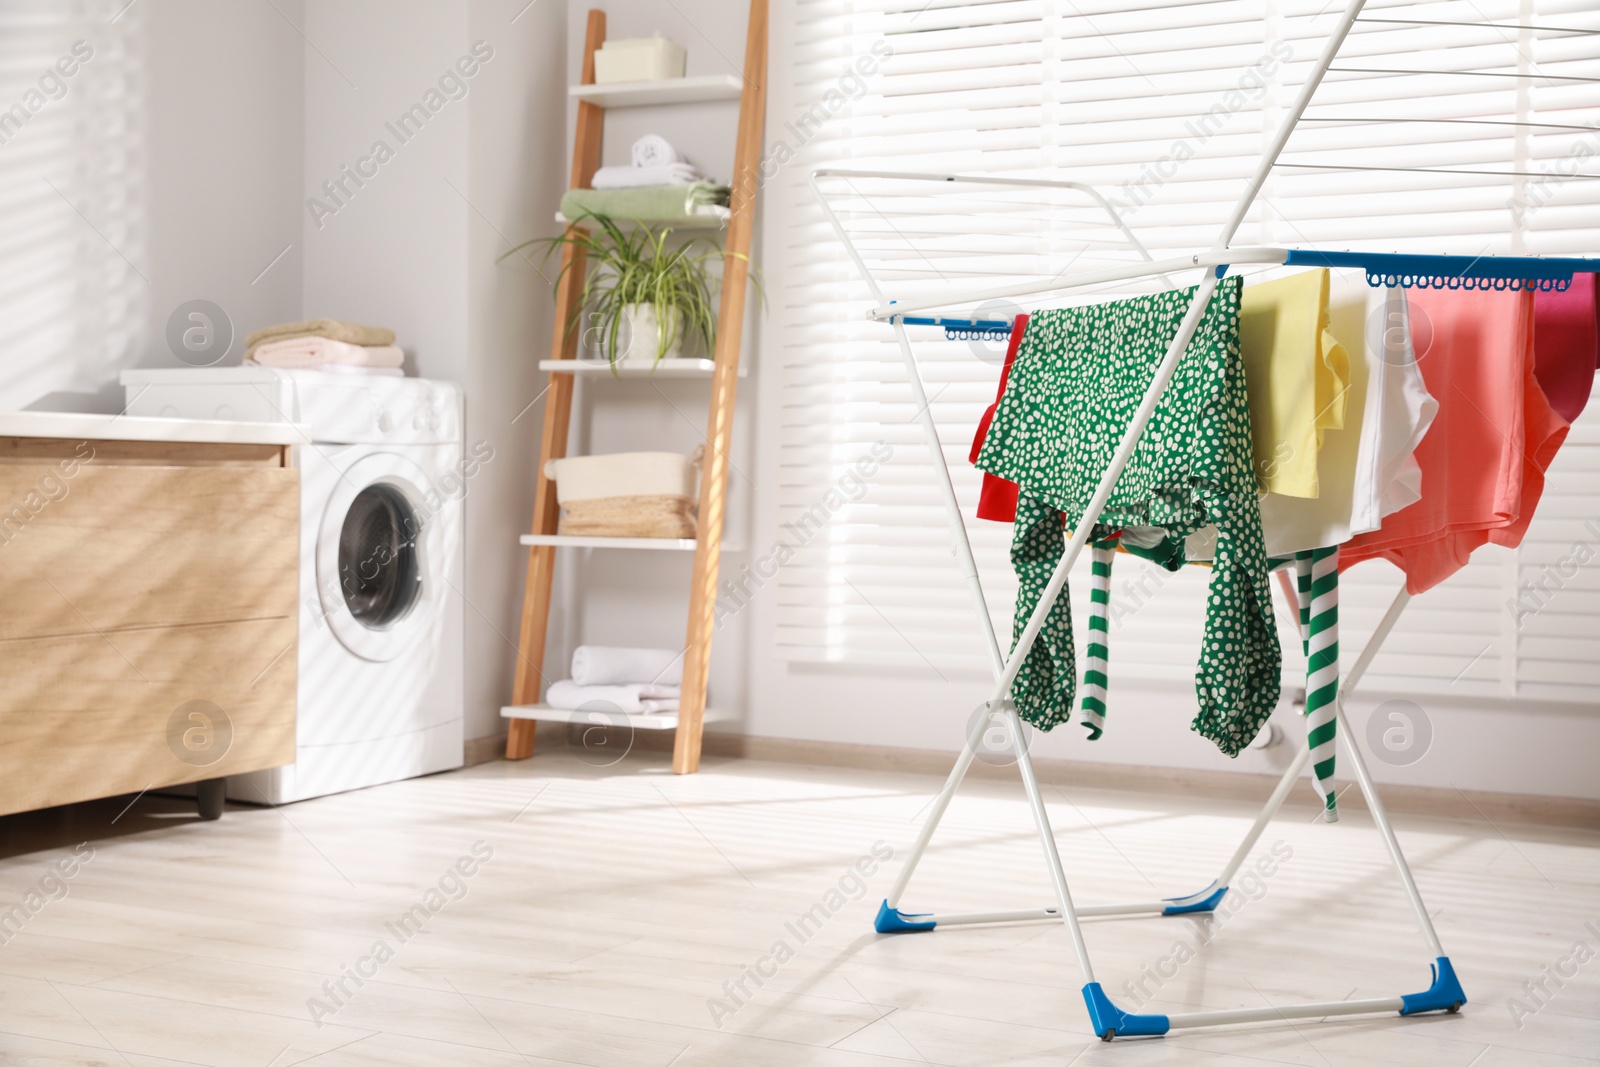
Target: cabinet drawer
[
  {"x": 114, "y": 548},
  {"x": 93, "y": 715}
]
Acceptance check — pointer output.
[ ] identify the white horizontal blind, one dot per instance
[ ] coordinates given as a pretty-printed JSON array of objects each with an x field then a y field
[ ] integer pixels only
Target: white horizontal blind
[
  {"x": 1165, "y": 108},
  {"x": 71, "y": 194}
]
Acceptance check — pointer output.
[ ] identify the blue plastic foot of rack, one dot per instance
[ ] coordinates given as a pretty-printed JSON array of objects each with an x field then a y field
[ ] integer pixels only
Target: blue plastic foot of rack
[
  {"x": 1111, "y": 1021},
  {"x": 1205, "y": 904},
  {"x": 892, "y": 921},
  {"x": 1444, "y": 995}
]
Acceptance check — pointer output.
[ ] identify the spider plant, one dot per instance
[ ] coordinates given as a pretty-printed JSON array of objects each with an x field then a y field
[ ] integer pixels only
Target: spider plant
[{"x": 640, "y": 266}]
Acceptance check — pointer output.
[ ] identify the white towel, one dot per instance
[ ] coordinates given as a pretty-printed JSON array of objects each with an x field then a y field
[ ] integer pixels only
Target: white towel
[
  {"x": 360, "y": 372},
  {"x": 323, "y": 351},
  {"x": 653, "y": 151},
  {"x": 630, "y": 699},
  {"x": 608, "y": 665},
  {"x": 642, "y": 177}
]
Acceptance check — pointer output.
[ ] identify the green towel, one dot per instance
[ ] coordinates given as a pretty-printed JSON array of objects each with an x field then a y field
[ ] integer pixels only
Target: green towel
[{"x": 656, "y": 203}]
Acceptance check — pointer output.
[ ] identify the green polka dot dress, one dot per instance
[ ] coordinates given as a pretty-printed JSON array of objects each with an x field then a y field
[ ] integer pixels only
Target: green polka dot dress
[{"x": 1073, "y": 389}]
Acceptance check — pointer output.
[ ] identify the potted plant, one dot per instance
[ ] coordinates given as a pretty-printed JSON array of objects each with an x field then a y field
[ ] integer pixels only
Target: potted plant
[{"x": 645, "y": 295}]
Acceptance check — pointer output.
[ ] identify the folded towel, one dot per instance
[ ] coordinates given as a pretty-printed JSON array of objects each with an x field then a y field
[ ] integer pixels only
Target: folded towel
[
  {"x": 660, "y": 203},
  {"x": 340, "y": 368},
  {"x": 653, "y": 151},
  {"x": 608, "y": 665},
  {"x": 645, "y": 177},
  {"x": 351, "y": 332},
  {"x": 629, "y": 516},
  {"x": 322, "y": 351},
  {"x": 630, "y": 699}
]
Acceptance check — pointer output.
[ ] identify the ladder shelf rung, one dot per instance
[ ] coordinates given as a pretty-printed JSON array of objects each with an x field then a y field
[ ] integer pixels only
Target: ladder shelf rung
[
  {"x": 667, "y": 544},
  {"x": 696, "y": 90},
  {"x": 683, "y": 367},
  {"x": 659, "y": 720}
]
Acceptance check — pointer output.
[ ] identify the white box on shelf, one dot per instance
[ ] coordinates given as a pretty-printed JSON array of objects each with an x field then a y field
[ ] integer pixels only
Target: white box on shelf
[
  {"x": 623, "y": 474},
  {"x": 640, "y": 59}
]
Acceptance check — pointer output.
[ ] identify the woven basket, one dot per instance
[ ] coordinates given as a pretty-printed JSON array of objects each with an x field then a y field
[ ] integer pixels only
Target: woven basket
[{"x": 627, "y": 494}]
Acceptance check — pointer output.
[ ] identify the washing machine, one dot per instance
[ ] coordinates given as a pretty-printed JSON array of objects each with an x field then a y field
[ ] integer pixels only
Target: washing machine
[{"x": 382, "y": 479}]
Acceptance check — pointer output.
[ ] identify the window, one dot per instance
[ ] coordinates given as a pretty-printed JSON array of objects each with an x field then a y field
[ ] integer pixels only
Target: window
[{"x": 1452, "y": 130}]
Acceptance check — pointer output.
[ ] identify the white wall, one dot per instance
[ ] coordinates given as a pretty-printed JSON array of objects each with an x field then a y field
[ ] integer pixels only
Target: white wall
[
  {"x": 225, "y": 145},
  {"x": 395, "y": 252},
  {"x": 187, "y": 189}
]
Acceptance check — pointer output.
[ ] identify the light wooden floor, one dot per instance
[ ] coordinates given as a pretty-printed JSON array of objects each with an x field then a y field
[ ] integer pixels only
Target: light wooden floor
[{"x": 618, "y": 902}]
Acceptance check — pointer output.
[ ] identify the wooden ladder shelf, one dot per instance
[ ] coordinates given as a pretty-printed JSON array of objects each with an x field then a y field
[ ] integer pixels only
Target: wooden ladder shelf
[{"x": 719, "y": 430}]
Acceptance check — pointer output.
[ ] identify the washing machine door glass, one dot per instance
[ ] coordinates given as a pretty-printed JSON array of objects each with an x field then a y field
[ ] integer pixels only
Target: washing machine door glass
[
  {"x": 378, "y": 558},
  {"x": 378, "y": 571}
]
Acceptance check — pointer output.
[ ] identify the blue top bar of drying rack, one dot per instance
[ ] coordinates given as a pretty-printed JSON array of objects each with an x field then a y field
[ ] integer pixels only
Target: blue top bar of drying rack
[
  {"x": 1451, "y": 272},
  {"x": 994, "y": 326},
  {"x": 1545, "y": 273}
]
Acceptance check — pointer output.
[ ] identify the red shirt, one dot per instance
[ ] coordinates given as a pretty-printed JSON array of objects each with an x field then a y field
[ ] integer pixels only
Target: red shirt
[{"x": 998, "y": 498}]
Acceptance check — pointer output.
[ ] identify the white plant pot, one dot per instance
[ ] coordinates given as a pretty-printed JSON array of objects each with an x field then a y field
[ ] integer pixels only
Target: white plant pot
[{"x": 639, "y": 336}]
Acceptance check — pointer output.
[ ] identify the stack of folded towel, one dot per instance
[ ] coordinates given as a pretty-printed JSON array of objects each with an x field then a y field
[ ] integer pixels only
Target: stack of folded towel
[
  {"x": 632, "y": 680},
  {"x": 327, "y": 344},
  {"x": 655, "y": 162},
  {"x": 658, "y": 184}
]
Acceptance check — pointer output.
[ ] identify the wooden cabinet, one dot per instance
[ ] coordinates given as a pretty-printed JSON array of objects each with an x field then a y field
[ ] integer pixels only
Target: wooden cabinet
[{"x": 147, "y": 614}]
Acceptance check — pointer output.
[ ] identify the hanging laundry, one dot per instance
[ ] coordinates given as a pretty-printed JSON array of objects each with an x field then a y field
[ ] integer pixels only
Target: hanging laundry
[
  {"x": 1399, "y": 412},
  {"x": 1317, "y": 573},
  {"x": 997, "y": 499},
  {"x": 1096, "y": 670},
  {"x": 1315, "y": 353},
  {"x": 1366, "y": 469},
  {"x": 1566, "y": 344},
  {"x": 1483, "y": 461},
  {"x": 1077, "y": 379},
  {"x": 1299, "y": 378},
  {"x": 1318, "y": 607}
]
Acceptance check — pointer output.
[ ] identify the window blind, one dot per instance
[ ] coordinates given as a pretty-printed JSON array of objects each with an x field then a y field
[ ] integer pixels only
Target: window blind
[{"x": 1420, "y": 139}]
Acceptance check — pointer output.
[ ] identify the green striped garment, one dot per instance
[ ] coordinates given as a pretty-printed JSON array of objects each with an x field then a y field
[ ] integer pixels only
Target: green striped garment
[
  {"x": 1317, "y": 572},
  {"x": 1094, "y": 669}
]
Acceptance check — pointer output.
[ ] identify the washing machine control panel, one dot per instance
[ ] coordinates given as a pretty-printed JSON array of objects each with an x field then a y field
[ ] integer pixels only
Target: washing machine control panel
[{"x": 339, "y": 408}]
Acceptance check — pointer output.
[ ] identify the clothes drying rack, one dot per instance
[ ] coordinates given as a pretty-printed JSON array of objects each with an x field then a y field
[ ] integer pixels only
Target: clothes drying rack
[{"x": 1382, "y": 269}]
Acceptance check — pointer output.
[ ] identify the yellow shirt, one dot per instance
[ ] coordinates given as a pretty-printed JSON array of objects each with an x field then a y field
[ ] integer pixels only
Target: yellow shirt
[{"x": 1297, "y": 375}]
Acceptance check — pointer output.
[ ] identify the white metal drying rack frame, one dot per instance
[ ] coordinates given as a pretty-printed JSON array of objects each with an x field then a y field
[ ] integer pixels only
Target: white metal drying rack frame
[{"x": 1109, "y": 1021}]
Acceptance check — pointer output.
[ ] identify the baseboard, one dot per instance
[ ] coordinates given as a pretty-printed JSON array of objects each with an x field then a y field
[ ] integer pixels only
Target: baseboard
[
  {"x": 1251, "y": 788},
  {"x": 1522, "y": 808},
  {"x": 483, "y": 749}
]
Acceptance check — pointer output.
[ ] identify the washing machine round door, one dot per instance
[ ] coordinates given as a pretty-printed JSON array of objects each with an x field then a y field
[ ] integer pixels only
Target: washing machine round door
[{"x": 373, "y": 555}]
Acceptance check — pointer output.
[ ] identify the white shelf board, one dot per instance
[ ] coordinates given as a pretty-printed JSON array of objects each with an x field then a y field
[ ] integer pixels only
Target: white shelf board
[
  {"x": 670, "y": 544},
  {"x": 667, "y": 368},
  {"x": 671, "y": 91},
  {"x": 705, "y": 217},
  {"x": 661, "y": 720}
]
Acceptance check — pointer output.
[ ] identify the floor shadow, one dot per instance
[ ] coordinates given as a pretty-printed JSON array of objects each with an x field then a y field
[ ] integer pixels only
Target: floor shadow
[{"x": 106, "y": 819}]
